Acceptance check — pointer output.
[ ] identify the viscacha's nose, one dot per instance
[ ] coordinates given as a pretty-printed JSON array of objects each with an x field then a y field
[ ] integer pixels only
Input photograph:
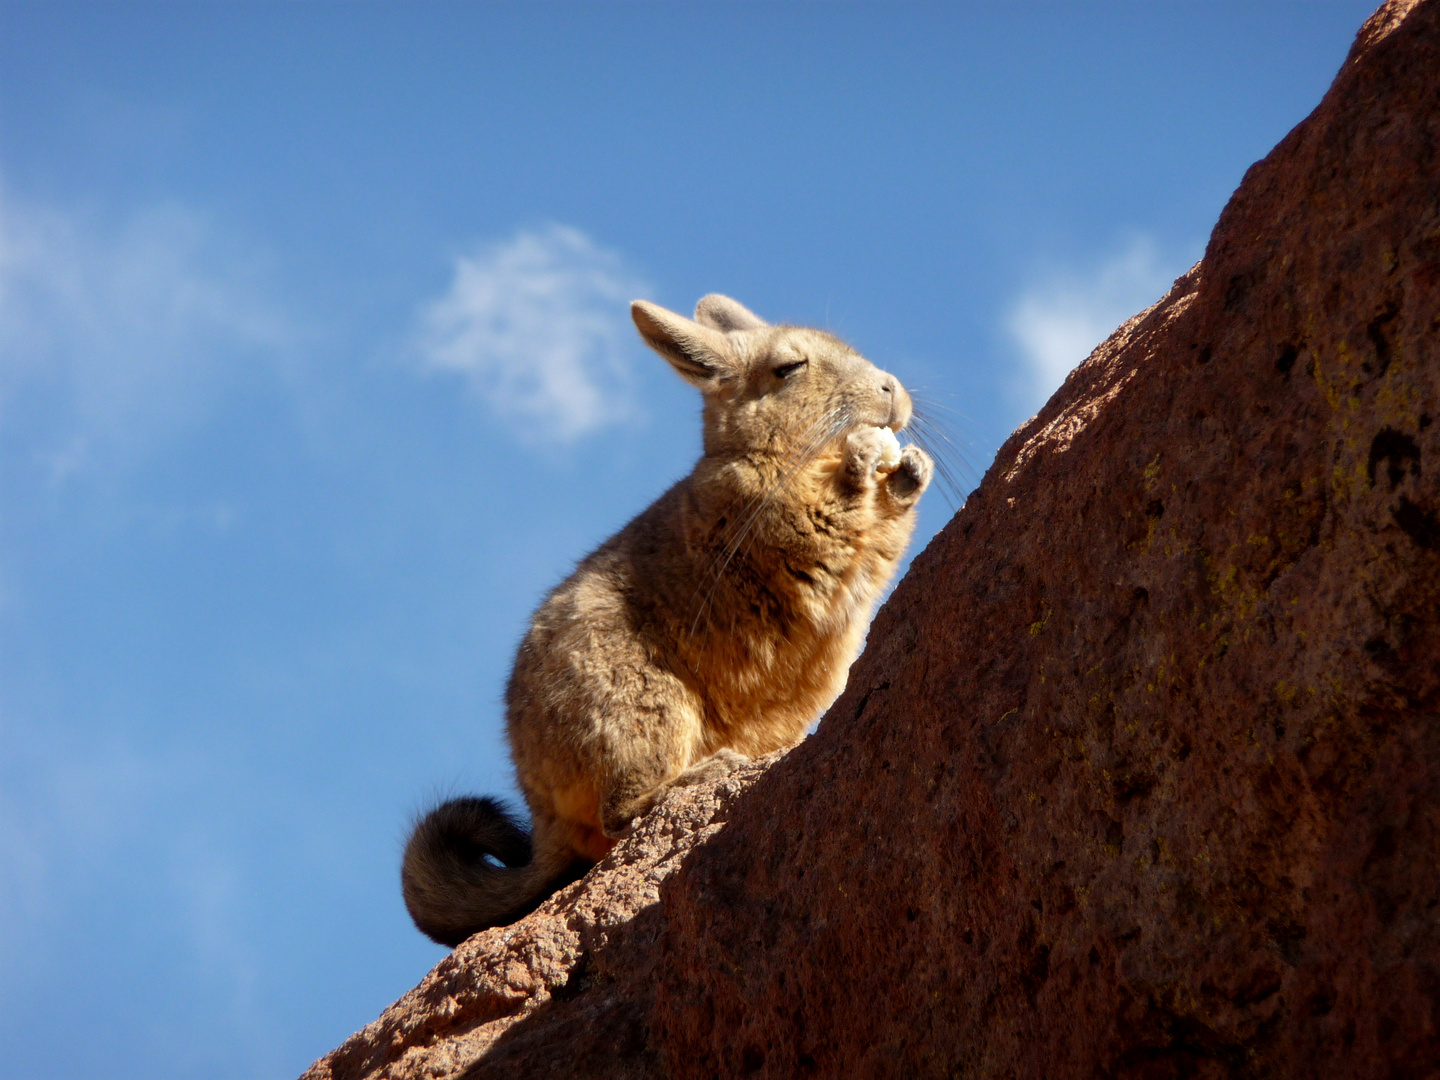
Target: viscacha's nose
[{"x": 900, "y": 407}]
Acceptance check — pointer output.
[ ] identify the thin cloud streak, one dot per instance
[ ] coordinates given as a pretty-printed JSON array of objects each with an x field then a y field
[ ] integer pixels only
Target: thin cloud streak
[
  {"x": 110, "y": 335},
  {"x": 1059, "y": 322},
  {"x": 537, "y": 328}
]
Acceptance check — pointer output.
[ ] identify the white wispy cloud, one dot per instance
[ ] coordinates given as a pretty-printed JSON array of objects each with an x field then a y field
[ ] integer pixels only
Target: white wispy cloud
[
  {"x": 1058, "y": 322},
  {"x": 539, "y": 328},
  {"x": 111, "y": 332}
]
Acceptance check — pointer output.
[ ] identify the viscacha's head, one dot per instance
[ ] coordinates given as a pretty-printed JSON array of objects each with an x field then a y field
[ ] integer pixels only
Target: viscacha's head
[{"x": 770, "y": 389}]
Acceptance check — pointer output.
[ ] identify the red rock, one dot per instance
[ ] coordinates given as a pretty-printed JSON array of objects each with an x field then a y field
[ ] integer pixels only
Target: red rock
[
  {"x": 1140, "y": 774},
  {"x": 569, "y": 971}
]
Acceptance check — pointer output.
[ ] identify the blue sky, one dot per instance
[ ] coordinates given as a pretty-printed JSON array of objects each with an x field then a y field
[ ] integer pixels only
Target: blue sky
[{"x": 316, "y": 371}]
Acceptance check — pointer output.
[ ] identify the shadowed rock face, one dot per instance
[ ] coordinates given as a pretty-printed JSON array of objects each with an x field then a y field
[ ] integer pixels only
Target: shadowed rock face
[{"x": 1140, "y": 774}]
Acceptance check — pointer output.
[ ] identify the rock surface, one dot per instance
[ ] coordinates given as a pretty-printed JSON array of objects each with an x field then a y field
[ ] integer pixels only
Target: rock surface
[
  {"x": 570, "y": 970},
  {"x": 1140, "y": 774}
]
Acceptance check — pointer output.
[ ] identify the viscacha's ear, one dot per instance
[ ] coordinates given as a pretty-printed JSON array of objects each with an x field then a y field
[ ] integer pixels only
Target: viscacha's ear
[
  {"x": 699, "y": 353},
  {"x": 723, "y": 314}
]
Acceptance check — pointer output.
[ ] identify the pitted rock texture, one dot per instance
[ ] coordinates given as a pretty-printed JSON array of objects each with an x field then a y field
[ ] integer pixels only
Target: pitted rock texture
[
  {"x": 1140, "y": 773},
  {"x": 569, "y": 971}
]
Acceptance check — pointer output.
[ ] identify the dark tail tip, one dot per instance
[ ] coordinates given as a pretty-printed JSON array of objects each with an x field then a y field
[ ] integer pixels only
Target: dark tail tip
[
  {"x": 462, "y": 870},
  {"x": 476, "y": 828}
]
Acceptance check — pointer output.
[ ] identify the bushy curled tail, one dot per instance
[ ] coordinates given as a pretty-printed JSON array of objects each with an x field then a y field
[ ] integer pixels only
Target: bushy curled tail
[{"x": 451, "y": 876}]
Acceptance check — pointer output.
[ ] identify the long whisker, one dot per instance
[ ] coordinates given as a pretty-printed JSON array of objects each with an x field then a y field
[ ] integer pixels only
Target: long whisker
[
  {"x": 801, "y": 460},
  {"x": 929, "y": 404},
  {"x": 949, "y": 488},
  {"x": 738, "y": 525},
  {"x": 804, "y": 445},
  {"x": 951, "y": 461},
  {"x": 942, "y": 450},
  {"x": 811, "y": 441},
  {"x": 936, "y": 430},
  {"x": 750, "y": 514},
  {"x": 956, "y": 452},
  {"x": 926, "y": 429}
]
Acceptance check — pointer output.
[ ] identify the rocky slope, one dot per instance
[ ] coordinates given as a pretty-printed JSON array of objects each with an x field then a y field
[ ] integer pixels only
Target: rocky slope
[{"x": 1140, "y": 774}]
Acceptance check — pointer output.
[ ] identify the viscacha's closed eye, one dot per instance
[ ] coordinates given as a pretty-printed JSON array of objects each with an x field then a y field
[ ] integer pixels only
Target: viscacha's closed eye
[{"x": 784, "y": 371}]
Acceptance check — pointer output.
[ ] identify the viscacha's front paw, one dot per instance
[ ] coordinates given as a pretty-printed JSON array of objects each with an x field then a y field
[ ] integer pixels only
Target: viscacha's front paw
[
  {"x": 870, "y": 452},
  {"x": 910, "y": 480}
]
